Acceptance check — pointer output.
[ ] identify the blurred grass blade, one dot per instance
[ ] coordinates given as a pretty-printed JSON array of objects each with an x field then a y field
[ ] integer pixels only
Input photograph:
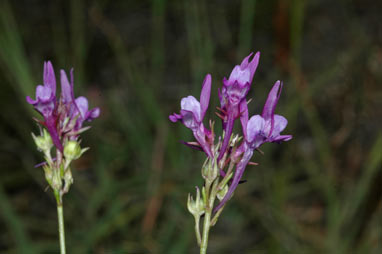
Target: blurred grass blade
[
  {"x": 128, "y": 68},
  {"x": 12, "y": 55},
  {"x": 246, "y": 33},
  {"x": 199, "y": 41},
  {"x": 15, "y": 225}
]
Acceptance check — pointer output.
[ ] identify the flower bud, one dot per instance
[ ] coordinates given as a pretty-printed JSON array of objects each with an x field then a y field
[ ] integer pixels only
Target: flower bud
[
  {"x": 68, "y": 178},
  {"x": 56, "y": 180},
  {"x": 221, "y": 194},
  {"x": 73, "y": 151},
  {"x": 210, "y": 171},
  {"x": 197, "y": 207},
  {"x": 48, "y": 174},
  {"x": 43, "y": 142}
]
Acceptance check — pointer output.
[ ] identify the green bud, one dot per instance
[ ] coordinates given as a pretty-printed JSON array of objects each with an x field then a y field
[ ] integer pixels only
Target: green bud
[
  {"x": 210, "y": 171},
  {"x": 48, "y": 174},
  {"x": 221, "y": 194},
  {"x": 68, "y": 178},
  {"x": 56, "y": 180},
  {"x": 44, "y": 142},
  {"x": 197, "y": 207},
  {"x": 73, "y": 151}
]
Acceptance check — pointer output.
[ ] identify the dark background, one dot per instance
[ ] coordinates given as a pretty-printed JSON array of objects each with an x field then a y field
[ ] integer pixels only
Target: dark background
[{"x": 318, "y": 193}]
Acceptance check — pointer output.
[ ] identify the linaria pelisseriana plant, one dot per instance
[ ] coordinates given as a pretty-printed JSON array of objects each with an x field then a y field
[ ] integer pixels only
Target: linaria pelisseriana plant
[
  {"x": 228, "y": 157},
  {"x": 60, "y": 129}
]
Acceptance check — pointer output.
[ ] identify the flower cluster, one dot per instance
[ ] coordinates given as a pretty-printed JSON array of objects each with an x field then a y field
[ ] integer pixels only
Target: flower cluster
[
  {"x": 63, "y": 118},
  {"x": 231, "y": 154}
]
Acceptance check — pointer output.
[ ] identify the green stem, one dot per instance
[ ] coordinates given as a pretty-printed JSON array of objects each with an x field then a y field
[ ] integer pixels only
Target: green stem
[
  {"x": 61, "y": 230},
  {"x": 206, "y": 230},
  {"x": 197, "y": 230}
]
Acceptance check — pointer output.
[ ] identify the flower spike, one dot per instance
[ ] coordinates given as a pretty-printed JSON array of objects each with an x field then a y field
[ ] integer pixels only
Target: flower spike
[
  {"x": 227, "y": 160},
  {"x": 62, "y": 118}
]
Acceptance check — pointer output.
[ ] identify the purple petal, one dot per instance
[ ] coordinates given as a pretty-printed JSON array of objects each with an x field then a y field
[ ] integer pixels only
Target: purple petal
[
  {"x": 66, "y": 89},
  {"x": 244, "y": 63},
  {"x": 43, "y": 163},
  {"x": 49, "y": 77},
  {"x": 200, "y": 134},
  {"x": 244, "y": 72},
  {"x": 175, "y": 117},
  {"x": 30, "y": 100},
  {"x": 193, "y": 146},
  {"x": 45, "y": 100},
  {"x": 40, "y": 164},
  {"x": 45, "y": 108},
  {"x": 191, "y": 104},
  {"x": 220, "y": 96},
  {"x": 270, "y": 104},
  {"x": 92, "y": 114},
  {"x": 254, "y": 128},
  {"x": 236, "y": 92},
  {"x": 189, "y": 120},
  {"x": 205, "y": 95},
  {"x": 227, "y": 135},
  {"x": 241, "y": 76},
  {"x": 51, "y": 126},
  {"x": 95, "y": 112},
  {"x": 244, "y": 116},
  {"x": 236, "y": 178},
  {"x": 281, "y": 138},
  {"x": 82, "y": 105},
  {"x": 279, "y": 124},
  {"x": 252, "y": 66},
  {"x": 44, "y": 93}
]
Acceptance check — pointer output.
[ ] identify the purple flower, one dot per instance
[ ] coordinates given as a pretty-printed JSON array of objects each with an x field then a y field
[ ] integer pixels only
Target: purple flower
[
  {"x": 274, "y": 124},
  {"x": 46, "y": 94},
  {"x": 232, "y": 95},
  {"x": 192, "y": 114},
  {"x": 258, "y": 130},
  {"x": 75, "y": 107},
  {"x": 56, "y": 111},
  {"x": 45, "y": 102}
]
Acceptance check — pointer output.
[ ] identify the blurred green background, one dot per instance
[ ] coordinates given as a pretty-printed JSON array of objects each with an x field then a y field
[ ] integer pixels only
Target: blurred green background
[{"x": 318, "y": 193}]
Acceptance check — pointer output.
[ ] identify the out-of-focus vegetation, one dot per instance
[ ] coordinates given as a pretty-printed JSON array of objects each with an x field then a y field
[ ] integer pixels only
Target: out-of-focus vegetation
[{"x": 318, "y": 193}]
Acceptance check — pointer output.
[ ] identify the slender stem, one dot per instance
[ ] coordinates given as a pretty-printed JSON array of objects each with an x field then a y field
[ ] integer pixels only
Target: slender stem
[
  {"x": 197, "y": 230},
  {"x": 206, "y": 230},
  {"x": 61, "y": 230}
]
